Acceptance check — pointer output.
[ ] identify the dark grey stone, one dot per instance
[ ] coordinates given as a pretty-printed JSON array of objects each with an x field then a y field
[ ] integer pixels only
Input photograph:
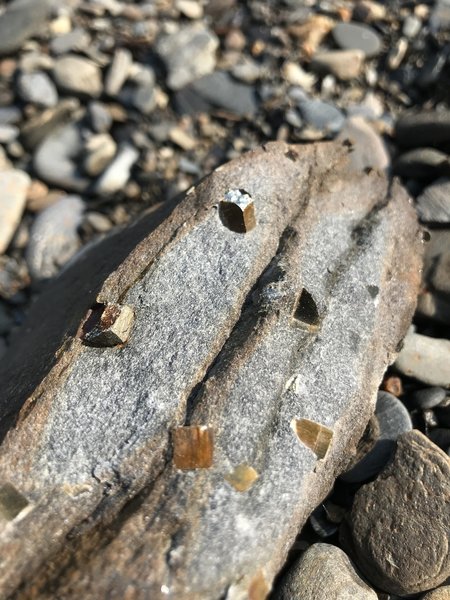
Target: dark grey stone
[
  {"x": 400, "y": 522},
  {"x": 433, "y": 205},
  {"x": 220, "y": 90},
  {"x": 428, "y": 397},
  {"x": 422, "y": 163},
  {"x": 21, "y": 20},
  {"x": 441, "y": 437},
  {"x": 422, "y": 129},
  {"x": 77, "y": 39},
  {"x": 393, "y": 419},
  {"x": 356, "y": 36},
  {"x": 100, "y": 117},
  {"x": 10, "y": 115},
  {"x": 321, "y": 115}
]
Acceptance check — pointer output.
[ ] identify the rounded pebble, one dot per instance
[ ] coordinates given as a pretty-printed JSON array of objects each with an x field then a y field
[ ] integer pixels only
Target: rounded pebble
[
  {"x": 428, "y": 397},
  {"x": 355, "y": 36}
]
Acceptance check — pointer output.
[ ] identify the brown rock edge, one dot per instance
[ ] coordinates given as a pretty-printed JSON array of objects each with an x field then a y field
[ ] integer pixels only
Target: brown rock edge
[{"x": 239, "y": 336}]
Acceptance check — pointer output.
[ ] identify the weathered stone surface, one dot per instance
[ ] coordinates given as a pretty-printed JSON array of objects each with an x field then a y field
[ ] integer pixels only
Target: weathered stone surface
[
  {"x": 324, "y": 572},
  {"x": 243, "y": 333},
  {"x": 442, "y": 593},
  {"x": 400, "y": 522}
]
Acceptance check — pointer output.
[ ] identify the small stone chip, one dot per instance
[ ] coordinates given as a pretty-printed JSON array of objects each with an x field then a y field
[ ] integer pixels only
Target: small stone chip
[
  {"x": 12, "y": 502},
  {"x": 315, "y": 436},
  {"x": 237, "y": 211},
  {"x": 242, "y": 477},
  {"x": 192, "y": 447},
  {"x": 108, "y": 325}
]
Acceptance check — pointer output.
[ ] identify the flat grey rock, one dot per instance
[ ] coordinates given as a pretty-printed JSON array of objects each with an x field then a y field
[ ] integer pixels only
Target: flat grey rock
[
  {"x": 428, "y": 397},
  {"x": 426, "y": 359},
  {"x": 356, "y": 36},
  {"x": 324, "y": 572},
  {"x": 188, "y": 54},
  {"x": 198, "y": 449},
  {"x": 53, "y": 237},
  {"x": 218, "y": 90},
  {"x": 21, "y": 20},
  {"x": 387, "y": 531},
  {"x": 37, "y": 88},
  {"x": 13, "y": 190},
  {"x": 322, "y": 116},
  {"x": 56, "y": 158},
  {"x": 118, "y": 71},
  {"x": 433, "y": 205}
]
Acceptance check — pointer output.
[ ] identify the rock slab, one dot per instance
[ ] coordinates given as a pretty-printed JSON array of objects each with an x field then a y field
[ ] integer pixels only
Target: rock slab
[{"x": 267, "y": 346}]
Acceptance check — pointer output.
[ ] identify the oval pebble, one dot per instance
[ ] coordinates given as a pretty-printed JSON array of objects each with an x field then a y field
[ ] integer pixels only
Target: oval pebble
[
  {"x": 354, "y": 36},
  {"x": 393, "y": 419},
  {"x": 321, "y": 115},
  {"x": 428, "y": 397}
]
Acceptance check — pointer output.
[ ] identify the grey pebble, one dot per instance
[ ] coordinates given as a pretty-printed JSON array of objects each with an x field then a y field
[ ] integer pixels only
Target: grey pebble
[
  {"x": 393, "y": 419},
  {"x": 13, "y": 189},
  {"x": 118, "y": 71},
  {"x": 368, "y": 148},
  {"x": 411, "y": 26},
  {"x": 37, "y": 88},
  {"x": 140, "y": 92},
  {"x": 55, "y": 159},
  {"x": 10, "y": 115},
  {"x": 323, "y": 572},
  {"x": 100, "y": 117},
  {"x": 321, "y": 115},
  {"x": 422, "y": 163},
  {"x": 8, "y": 133},
  {"x": 77, "y": 39},
  {"x": 54, "y": 238},
  {"x": 433, "y": 205},
  {"x": 428, "y": 397},
  {"x": 21, "y": 20},
  {"x": 221, "y": 91},
  {"x": 117, "y": 174},
  {"x": 188, "y": 54},
  {"x": 355, "y": 36}
]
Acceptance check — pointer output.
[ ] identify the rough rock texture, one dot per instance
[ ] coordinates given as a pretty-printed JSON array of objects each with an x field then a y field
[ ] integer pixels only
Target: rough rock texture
[
  {"x": 324, "y": 572},
  {"x": 442, "y": 593},
  {"x": 244, "y": 334},
  {"x": 406, "y": 508}
]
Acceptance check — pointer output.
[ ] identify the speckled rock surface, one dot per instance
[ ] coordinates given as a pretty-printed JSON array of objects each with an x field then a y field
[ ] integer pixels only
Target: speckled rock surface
[
  {"x": 247, "y": 335},
  {"x": 416, "y": 510},
  {"x": 324, "y": 572}
]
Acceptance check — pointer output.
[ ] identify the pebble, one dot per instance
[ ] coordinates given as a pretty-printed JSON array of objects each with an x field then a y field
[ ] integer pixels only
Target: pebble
[
  {"x": 192, "y": 9},
  {"x": 411, "y": 26},
  {"x": 321, "y": 116},
  {"x": 37, "y": 88},
  {"x": 54, "y": 238},
  {"x": 344, "y": 64},
  {"x": 219, "y": 90},
  {"x": 99, "y": 116},
  {"x": 428, "y": 397},
  {"x": 100, "y": 150},
  {"x": 10, "y": 115},
  {"x": 433, "y": 205},
  {"x": 21, "y": 20},
  {"x": 441, "y": 437},
  {"x": 355, "y": 36},
  {"x": 76, "y": 40},
  {"x": 295, "y": 75},
  {"x": 323, "y": 572},
  {"x": 422, "y": 163},
  {"x": 188, "y": 54},
  {"x": 13, "y": 192},
  {"x": 393, "y": 419},
  {"x": 433, "y": 306},
  {"x": 38, "y": 127},
  {"x": 421, "y": 129},
  {"x": 369, "y": 151},
  {"x": 77, "y": 75},
  {"x": 8, "y": 133},
  {"x": 118, "y": 71},
  {"x": 13, "y": 277},
  {"x": 98, "y": 221},
  {"x": 426, "y": 359},
  {"x": 55, "y": 160},
  {"x": 368, "y": 11},
  {"x": 117, "y": 174},
  {"x": 399, "y": 523},
  {"x": 442, "y": 593},
  {"x": 5, "y": 163},
  {"x": 142, "y": 93},
  {"x": 437, "y": 262}
]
